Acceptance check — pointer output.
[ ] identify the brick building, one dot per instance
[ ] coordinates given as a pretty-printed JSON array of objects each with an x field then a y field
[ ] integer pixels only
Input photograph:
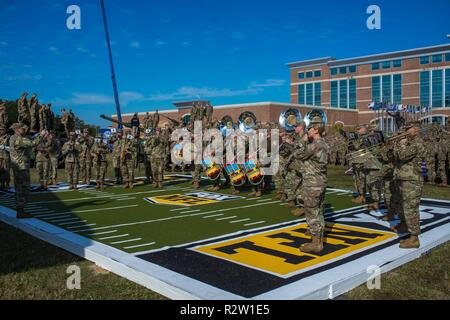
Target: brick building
[{"x": 344, "y": 88}]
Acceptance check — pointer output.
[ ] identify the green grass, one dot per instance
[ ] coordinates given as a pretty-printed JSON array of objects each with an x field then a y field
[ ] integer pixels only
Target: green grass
[{"x": 33, "y": 269}]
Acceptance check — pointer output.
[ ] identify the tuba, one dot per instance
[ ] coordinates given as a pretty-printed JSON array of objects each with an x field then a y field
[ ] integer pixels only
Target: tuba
[
  {"x": 247, "y": 122},
  {"x": 226, "y": 126},
  {"x": 315, "y": 113},
  {"x": 289, "y": 119}
]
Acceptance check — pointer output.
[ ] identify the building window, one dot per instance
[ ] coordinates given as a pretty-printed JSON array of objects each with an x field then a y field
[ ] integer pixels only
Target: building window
[
  {"x": 342, "y": 70},
  {"x": 334, "y": 94},
  {"x": 386, "y": 89},
  {"x": 425, "y": 88},
  {"x": 447, "y": 57},
  {"x": 447, "y": 87},
  {"x": 343, "y": 93},
  {"x": 309, "y": 93},
  {"x": 436, "y": 96},
  {"x": 352, "y": 93},
  {"x": 301, "y": 75},
  {"x": 376, "y": 89},
  {"x": 397, "y": 87},
  {"x": 317, "y": 94},
  {"x": 386, "y": 65},
  {"x": 436, "y": 58},
  {"x": 425, "y": 60},
  {"x": 317, "y": 73},
  {"x": 309, "y": 74},
  {"x": 352, "y": 69},
  {"x": 376, "y": 66},
  {"x": 397, "y": 63},
  {"x": 301, "y": 94},
  {"x": 333, "y": 71}
]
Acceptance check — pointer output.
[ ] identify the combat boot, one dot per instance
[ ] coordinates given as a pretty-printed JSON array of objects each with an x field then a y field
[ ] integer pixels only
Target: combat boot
[
  {"x": 211, "y": 188},
  {"x": 98, "y": 185},
  {"x": 216, "y": 188},
  {"x": 235, "y": 191},
  {"x": 71, "y": 186},
  {"x": 298, "y": 212},
  {"x": 410, "y": 243},
  {"x": 258, "y": 194},
  {"x": 315, "y": 246},
  {"x": 126, "y": 185},
  {"x": 22, "y": 215},
  {"x": 373, "y": 206},
  {"x": 75, "y": 186},
  {"x": 196, "y": 185},
  {"x": 252, "y": 194},
  {"x": 279, "y": 196},
  {"x": 290, "y": 204},
  {"x": 359, "y": 200},
  {"x": 131, "y": 185},
  {"x": 400, "y": 228}
]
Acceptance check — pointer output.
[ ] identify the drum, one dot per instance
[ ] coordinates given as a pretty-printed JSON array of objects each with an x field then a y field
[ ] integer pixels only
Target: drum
[
  {"x": 253, "y": 172},
  {"x": 212, "y": 170},
  {"x": 236, "y": 174}
]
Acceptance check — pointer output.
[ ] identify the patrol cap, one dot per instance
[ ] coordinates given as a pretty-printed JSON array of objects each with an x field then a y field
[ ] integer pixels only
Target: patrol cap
[
  {"x": 19, "y": 125},
  {"x": 315, "y": 121}
]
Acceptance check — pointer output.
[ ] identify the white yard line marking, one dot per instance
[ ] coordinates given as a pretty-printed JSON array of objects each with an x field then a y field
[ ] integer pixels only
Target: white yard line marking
[
  {"x": 236, "y": 221},
  {"x": 91, "y": 210},
  {"x": 69, "y": 223},
  {"x": 140, "y": 245},
  {"x": 215, "y": 215},
  {"x": 110, "y": 196},
  {"x": 343, "y": 194},
  {"x": 183, "y": 216},
  {"x": 190, "y": 211},
  {"x": 253, "y": 223},
  {"x": 64, "y": 220},
  {"x": 99, "y": 233},
  {"x": 51, "y": 216},
  {"x": 83, "y": 226},
  {"x": 121, "y": 199},
  {"x": 263, "y": 200},
  {"x": 178, "y": 209},
  {"x": 112, "y": 237},
  {"x": 226, "y": 218},
  {"x": 124, "y": 241}
]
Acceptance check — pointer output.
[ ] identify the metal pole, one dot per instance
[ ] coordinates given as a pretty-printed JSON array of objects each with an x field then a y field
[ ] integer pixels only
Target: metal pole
[{"x": 113, "y": 74}]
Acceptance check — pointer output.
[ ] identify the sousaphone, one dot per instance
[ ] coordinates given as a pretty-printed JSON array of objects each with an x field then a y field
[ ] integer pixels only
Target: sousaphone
[
  {"x": 289, "y": 119},
  {"x": 226, "y": 126},
  {"x": 247, "y": 122},
  {"x": 315, "y": 113}
]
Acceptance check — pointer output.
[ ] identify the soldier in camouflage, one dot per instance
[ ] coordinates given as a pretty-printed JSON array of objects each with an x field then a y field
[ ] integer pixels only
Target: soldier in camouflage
[
  {"x": 358, "y": 165},
  {"x": 159, "y": 155},
  {"x": 128, "y": 146},
  {"x": 294, "y": 176},
  {"x": 4, "y": 159},
  {"x": 430, "y": 158},
  {"x": 34, "y": 115},
  {"x": 43, "y": 162},
  {"x": 442, "y": 145},
  {"x": 86, "y": 142},
  {"x": 314, "y": 158},
  {"x": 147, "y": 147},
  {"x": 54, "y": 152},
  {"x": 408, "y": 157},
  {"x": 71, "y": 152},
  {"x": 20, "y": 151},
  {"x": 3, "y": 115},
  {"x": 115, "y": 141},
  {"x": 99, "y": 152}
]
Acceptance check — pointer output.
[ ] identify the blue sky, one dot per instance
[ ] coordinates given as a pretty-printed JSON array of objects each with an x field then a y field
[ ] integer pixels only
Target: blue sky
[{"x": 231, "y": 51}]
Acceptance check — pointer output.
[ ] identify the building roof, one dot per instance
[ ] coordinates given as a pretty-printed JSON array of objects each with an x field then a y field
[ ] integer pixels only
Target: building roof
[{"x": 372, "y": 58}]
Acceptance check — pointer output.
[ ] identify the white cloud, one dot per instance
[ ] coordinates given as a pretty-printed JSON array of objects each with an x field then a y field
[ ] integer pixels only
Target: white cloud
[
  {"x": 268, "y": 83},
  {"x": 204, "y": 92},
  {"x": 54, "y": 50},
  {"x": 24, "y": 77},
  {"x": 186, "y": 43},
  {"x": 160, "y": 43},
  {"x": 135, "y": 44},
  {"x": 81, "y": 49},
  {"x": 81, "y": 99}
]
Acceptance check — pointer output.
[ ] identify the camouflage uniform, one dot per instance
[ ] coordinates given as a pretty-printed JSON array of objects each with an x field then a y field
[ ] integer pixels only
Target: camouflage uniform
[
  {"x": 4, "y": 161},
  {"x": 294, "y": 174},
  {"x": 43, "y": 118},
  {"x": 34, "y": 109},
  {"x": 54, "y": 152},
  {"x": 86, "y": 143},
  {"x": 314, "y": 159},
  {"x": 442, "y": 158},
  {"x": 148, "y": 152},
  {"x": 358, "y": 167},
  {"x": 408, "y": 176},
  {"x": 3, "y": 117},
  {"x": 42, "y": 162},
  {"x": 71, "y": 151},
  {"x": 430, "y": 158},
  {"x": 207, "y": 116},
  {"x": 20, "y": 152},
  {"x": 98, "y": 152},
  {"x": 390, "y": 190},
  {"x": 158, "y": 159},
  {"x": 128, "y": 157},
  {"x": 115, "y": 141}
]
